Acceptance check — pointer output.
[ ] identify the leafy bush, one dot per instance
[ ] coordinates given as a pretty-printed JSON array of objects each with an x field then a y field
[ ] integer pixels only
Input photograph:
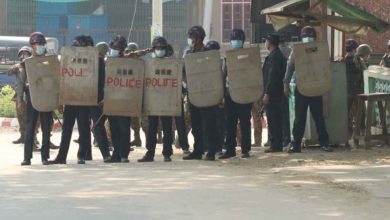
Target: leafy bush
[{"x": 7, "y": 106}]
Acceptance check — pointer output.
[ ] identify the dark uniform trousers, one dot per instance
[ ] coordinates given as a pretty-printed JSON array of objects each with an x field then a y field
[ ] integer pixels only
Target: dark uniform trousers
[
  {"x": 316, "y": 108},
  {"x": 204, "y": 129},
  {"x": 274, "y": 111},
  {"x": 46, "y": 122},
  {"x": 152, "y": 135},
  {"x": 286, "y": 121},
  {"x": 99, "y": 130},
  {"x": 181, "y": 129},
  {"x": 120, "y": 135},
  {"x": 71, "y": 113},
  {"x": 221, "y": 128},
  {"x": 235, "y": 112}
]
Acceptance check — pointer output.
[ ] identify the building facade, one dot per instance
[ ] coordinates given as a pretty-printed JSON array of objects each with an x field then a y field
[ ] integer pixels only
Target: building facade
[{"x": 379, "y": 8}]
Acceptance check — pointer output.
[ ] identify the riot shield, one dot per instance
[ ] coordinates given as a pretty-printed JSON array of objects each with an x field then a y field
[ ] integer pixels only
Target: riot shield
[
  {"x": 79, "y": 76},
  {"x": 245, "y": 75},
  {"x": 312, "y": 68},
  {"x": 42, "y": 75},
  {"x": 162, "y": 87},
  {"x": 204, "y": 78},
  {"x": 124, "y": 87}
]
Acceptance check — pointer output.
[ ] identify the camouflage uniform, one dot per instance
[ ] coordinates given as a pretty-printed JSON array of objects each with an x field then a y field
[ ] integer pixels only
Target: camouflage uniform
[
  {"x": 258, "y": 127},
  {"x": 20, "y": 74},
  {"x": 136, "y": 126},
  {"x": 355, "y": 85},
  {"x": 386, "y": 60}
]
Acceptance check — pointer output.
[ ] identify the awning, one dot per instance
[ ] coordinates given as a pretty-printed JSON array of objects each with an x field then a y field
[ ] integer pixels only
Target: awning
[{"x": 348, "y": 18}]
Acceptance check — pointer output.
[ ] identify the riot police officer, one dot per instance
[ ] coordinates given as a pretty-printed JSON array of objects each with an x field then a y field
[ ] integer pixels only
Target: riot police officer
[
  {"x": 274, "y": 69},
  {"x": 119, "y": 125},
  {"x": 71, "y": 114},
  {"x": 308, "y": 34},
  {"x": 204, "y": 125},
  {"x": 236, "y": 111},
  {"x": 221, "y": 119},
  {"x": 160, "y": 48},
  {"x": 37, "y": 42}
]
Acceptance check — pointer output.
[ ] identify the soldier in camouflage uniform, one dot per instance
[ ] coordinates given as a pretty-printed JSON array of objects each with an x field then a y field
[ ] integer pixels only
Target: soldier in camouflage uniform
[
  {"x": 19, "y": 71},
  {"x": 354, "y": 80},
  {"x": 258, "y": 128}
]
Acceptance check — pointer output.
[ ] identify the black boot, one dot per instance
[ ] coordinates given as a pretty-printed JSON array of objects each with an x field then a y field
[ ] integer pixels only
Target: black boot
[
  {"x": 20, "y": 140},
  {"x": 146, "y": 158},
  {"x": 26, "y": 163}
]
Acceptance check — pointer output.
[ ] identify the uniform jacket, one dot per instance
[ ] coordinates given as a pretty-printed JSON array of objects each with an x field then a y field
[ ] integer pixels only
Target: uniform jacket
[{"x": 274, "y": 69}]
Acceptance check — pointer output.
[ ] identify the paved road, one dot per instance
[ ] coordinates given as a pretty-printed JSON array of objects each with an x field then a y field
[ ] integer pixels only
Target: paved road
[{"x": 186, "y": 190}]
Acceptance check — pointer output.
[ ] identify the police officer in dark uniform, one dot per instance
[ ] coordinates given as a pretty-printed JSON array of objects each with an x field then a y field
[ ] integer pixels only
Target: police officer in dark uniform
[
  {"x": 204, "y": 125},
  {"x": 119, "y": 125},
  {"x": 308, "y": 34},
  {"x": 71, "y": 114},
  {"x": 96, "y": 112},
  {"x": 160, "y": 48},
  {"x": 37, "y": 42},
  {"x": 221, "y": 118},
  {"x": 354, "y": 80},
  {"x": 274, "y": 69},
  {"x": 236, "y": 111}
]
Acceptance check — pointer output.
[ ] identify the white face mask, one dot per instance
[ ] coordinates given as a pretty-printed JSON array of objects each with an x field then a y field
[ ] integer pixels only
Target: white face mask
[
  {"x": 114, "y": 53},
  {"x": 40, "y": 50},
  {"x": 308, "y": 39},
  {"x": 189, "y": 42}
]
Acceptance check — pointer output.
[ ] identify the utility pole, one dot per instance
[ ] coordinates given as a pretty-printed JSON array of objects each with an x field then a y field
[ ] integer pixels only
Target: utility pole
[
  {"x": 157, "y": 18},
  {"x": 207, "y": 18}
]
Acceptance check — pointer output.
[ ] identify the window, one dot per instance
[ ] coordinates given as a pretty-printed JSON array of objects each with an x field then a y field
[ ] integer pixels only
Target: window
[{"x": 236, "y": 14}]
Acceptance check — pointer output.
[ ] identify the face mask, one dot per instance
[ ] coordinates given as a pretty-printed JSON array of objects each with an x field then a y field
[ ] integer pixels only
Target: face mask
[
  {"x": 189, "y": 42},
  {"x": 114, "y": 53},
  {"x": 307, "y": 39},
  {"x": 160, "y": 53},
  {"x": 236, "y": 44},
  {"x": 40, "y": 50}
]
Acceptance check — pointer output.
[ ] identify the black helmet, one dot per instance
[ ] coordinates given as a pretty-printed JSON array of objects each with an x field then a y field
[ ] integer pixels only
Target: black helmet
[
  {"x": 159, "y": 42},
  {"x": 237, "y": 34},
  {"x": 308, "y": 31},
  {"x": 90, "y": 41},
  {"x": 212, "y": 45},
  {"x": 37, "y": 38},
  {"x": 351, "y": 45},
  {"x": 82, "y": 41},
  {"x": 197, "y": 32},
  {"x": 169, "y": 51},
  {"x": 118, "y": 42}
]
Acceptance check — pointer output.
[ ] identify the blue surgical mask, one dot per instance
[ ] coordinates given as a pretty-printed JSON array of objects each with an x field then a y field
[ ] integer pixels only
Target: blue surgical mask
[
  {"x": 114, "y": 53},
  {"x": 308, "y": 39},
  {"x": 40, "y": 50},
  {"x": 236, "y": 44},
  {"x": 189, "y": 42},
  {"x": 160, "y": 53}
]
